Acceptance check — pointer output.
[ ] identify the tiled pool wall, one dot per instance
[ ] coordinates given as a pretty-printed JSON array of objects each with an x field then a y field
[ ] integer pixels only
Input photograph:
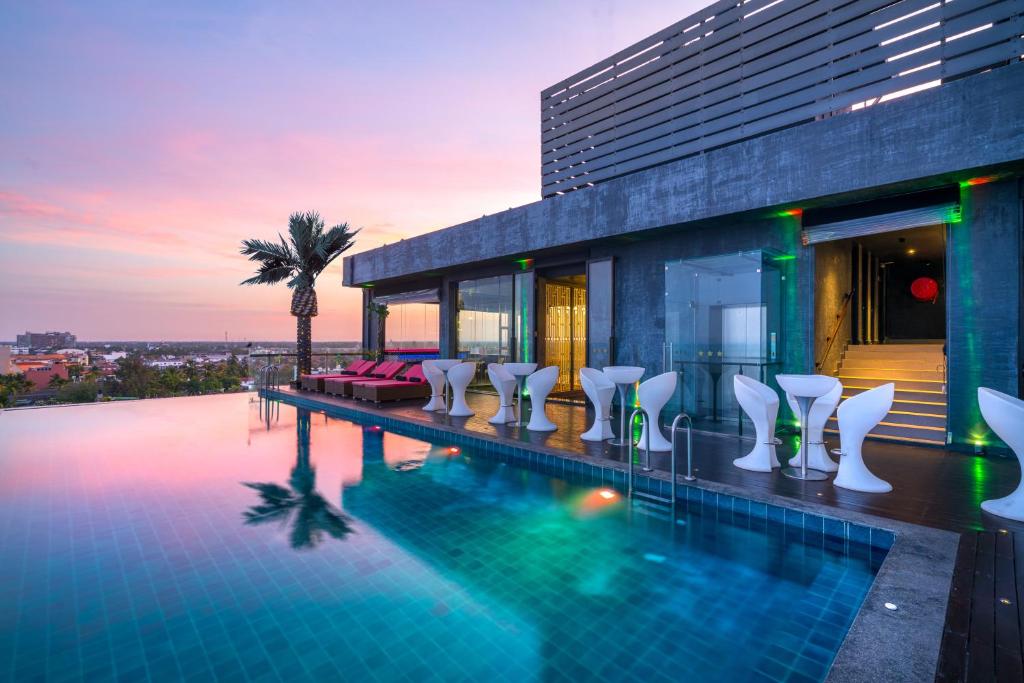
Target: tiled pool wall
[{"x": 805, "y": 526}]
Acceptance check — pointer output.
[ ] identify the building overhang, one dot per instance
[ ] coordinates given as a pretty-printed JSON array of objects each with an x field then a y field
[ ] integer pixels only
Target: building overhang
[{"x": 968, "y": 128}]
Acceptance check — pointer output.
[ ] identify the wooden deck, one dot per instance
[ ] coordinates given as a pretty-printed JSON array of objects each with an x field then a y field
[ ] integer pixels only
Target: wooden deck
[{"x": 982, "y": 636}]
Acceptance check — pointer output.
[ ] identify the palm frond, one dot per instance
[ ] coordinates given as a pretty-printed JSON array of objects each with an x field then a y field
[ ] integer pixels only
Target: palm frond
[
  {"x": 262, "y": 250},
  {"x": 304, "y": 229},
  {"x": 269, "y": 274},
  {"x": 337, "y": 241}
]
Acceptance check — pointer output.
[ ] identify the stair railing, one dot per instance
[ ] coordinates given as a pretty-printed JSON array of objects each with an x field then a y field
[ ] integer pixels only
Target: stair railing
[{"x": 830, "y": 340}]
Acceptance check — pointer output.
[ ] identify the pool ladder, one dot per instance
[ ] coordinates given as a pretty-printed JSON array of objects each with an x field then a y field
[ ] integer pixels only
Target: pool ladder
[
  {"x": 269, "y": 377},
  {"x": 645, "y": 417}
]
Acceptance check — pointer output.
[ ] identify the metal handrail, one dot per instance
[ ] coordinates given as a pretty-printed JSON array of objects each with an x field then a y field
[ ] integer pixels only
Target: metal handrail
[
  {"x": 830, "y": 340},
  {"x": 689, "y": 450},
  {"x": 628, "y": 442}
]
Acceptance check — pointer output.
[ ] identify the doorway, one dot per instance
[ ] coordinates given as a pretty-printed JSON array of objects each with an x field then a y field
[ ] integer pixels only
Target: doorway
[
  {"x": 562, "y": 323},
  {"x": 880, "y": 317}
]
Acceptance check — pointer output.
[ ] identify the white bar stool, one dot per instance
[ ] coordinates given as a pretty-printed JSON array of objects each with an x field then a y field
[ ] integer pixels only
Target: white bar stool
[
  {"x": 600, "y": 390},
  {"x": 858, "y": 415}
]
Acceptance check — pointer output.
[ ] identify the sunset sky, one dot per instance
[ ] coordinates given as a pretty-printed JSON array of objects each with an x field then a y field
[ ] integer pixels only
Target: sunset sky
[{"x": 142, "y": 141}]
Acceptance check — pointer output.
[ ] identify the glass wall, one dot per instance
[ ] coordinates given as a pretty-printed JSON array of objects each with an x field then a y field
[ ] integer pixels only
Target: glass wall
[
  {"x": 412, "y": 326},
  {"x": 484, "y": 322},
  {"x": 722, "y": 317},
  {"x": 599, "y": 313}
]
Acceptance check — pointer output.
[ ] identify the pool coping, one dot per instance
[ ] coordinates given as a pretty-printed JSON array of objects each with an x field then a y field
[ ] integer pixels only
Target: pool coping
[{"x": 899, "y": 644}]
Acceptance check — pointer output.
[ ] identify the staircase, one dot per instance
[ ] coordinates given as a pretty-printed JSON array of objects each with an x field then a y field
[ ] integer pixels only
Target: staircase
[{"x": 918, "y": 412}]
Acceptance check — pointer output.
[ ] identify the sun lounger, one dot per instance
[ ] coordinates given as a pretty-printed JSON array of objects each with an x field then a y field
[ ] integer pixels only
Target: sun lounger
[
  {"x": 411, "y": 384},
  {"x": 342, "y": 386},
  {"x": 354, "y": 369}
]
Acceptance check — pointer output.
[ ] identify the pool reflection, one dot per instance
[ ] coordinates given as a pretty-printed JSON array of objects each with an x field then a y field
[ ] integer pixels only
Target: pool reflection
[{"x": 311, "y": 519}]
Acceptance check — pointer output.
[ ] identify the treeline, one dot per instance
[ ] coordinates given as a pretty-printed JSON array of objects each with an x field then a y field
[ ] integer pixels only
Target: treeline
[{"x": 133, "y": 379}]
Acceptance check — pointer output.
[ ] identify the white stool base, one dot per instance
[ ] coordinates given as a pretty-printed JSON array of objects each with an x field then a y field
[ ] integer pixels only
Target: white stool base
[
  {"x": 600, "y": 431},
  {"x": 1010, "y": 507}
]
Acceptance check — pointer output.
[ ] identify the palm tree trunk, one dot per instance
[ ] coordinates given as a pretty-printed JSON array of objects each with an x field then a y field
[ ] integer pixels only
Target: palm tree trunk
[{"x": 304, "y": 344}]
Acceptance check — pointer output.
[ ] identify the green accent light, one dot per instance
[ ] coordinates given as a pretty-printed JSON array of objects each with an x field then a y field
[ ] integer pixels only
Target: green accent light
[
  {"x": 784, "y": 257},
  {"x": 525, "y": 263},
  {"x": 368, "y": 285}
]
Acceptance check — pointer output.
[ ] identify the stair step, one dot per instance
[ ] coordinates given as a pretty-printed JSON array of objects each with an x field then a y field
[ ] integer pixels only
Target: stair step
[
  {"x": 895, "y": 348},
  {"x": 912, "y": 419},
  {"x": 892, "y": 373},
  {"x": 914, "y": 363},
  {"x": 932, "y": 397},
  {"x": 896, "y": 425},
  {"x": 930, "y": 356},
  {"x": 889, "y": 437},
  {"x": 928, "y": 385}
]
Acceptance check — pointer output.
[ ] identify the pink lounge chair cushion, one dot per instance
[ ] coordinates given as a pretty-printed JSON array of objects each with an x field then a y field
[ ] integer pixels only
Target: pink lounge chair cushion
[{"x": 413, "y": 376}]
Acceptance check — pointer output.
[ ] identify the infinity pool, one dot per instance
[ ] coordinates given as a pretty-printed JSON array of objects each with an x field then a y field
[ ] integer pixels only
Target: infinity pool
[{"x": 191, "y": 538}]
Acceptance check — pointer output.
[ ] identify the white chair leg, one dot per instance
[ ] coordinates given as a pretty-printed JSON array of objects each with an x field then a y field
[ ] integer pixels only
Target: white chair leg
[
  {"x": 1005, "y": 415},
  {"x": 853, "y": 474},
  {"x": 601, "y": 430}
]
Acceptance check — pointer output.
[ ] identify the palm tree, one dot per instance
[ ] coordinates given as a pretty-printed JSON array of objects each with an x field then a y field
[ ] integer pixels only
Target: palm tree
[
  {"x": 308, "y": 250},
  {"x": 382, "y": 312}
]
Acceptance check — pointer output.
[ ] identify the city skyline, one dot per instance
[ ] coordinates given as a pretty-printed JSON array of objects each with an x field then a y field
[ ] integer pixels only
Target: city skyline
[{"x": 148, "y": 142}]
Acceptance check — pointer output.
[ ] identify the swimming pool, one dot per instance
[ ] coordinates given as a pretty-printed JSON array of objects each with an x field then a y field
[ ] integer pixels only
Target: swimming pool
[{"x": 182, "y": 538}]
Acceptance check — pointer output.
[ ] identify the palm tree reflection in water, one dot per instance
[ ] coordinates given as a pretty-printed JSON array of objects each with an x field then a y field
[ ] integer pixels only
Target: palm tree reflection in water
[{"x": 311, "y": 517}]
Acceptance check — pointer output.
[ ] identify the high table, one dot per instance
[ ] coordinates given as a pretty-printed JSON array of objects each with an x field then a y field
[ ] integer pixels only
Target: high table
[
  {"x": 520, "y": 371},
  {"x": 805, "y": 389},
  {"x": 624, "y": 376},
  {"x": 444, "y": 365}
]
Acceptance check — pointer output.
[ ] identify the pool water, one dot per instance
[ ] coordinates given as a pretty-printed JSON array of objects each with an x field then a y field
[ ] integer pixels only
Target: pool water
[{"x": 191, "y": 539}]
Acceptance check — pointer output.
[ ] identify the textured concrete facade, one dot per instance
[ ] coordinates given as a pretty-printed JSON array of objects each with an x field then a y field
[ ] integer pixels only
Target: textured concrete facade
[
  {"x": 931, "y": 138},
  {"x": 984, "y": 291}
]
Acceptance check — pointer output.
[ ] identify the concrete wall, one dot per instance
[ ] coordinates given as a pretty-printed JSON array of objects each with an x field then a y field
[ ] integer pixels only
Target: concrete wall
[
  {"x": 984, "y": 290},
  {"x": 923, "y": 140}
]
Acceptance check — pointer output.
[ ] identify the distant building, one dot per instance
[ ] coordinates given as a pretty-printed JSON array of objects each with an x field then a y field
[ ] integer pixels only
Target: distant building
[
  {"x": 42, "y": 375},
  {"x": 46, "y": 340},
  {"x": 5, "y": 360}
]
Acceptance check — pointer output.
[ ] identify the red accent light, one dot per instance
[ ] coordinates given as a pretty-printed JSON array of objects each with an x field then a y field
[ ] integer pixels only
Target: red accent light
[
  {"x": 454, "y": 450},
  {"x": 925, "y": 289},
  {"x": 981, "y": 180}
]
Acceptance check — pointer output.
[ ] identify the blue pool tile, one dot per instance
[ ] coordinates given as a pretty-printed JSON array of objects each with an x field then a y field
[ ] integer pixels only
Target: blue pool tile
[
  {"x": 835, "y": 527},
  {"x": 814, "y": 524},
  {"x": 882, "y": 538},
  {"x": 794, "y": 518},
  {"x": 776, "y": 514},
  {"x": 859, "y": 534}
]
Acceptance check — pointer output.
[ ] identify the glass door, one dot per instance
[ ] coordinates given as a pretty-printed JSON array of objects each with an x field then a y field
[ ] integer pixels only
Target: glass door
[
  {"x": 600, "y": 309},
  {"x": 721, "y": 319}
]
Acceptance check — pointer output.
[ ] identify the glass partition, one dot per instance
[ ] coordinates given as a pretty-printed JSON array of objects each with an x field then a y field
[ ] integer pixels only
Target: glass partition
[
  {"x": 600, "y": 293},
  {"x": 484, "y": 323},
  {"x": 722, "y": 317},
  {"x": 523, "y": 342}
]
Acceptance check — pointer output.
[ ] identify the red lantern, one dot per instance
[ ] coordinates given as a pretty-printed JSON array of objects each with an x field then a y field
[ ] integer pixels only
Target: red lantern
[{"x": 925, "y": 289}]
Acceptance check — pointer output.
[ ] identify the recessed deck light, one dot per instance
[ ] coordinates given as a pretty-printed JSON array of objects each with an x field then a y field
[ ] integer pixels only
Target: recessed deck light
[
  {"x": 1005, "y": 601},
  {"x": 891, "y": 606}
]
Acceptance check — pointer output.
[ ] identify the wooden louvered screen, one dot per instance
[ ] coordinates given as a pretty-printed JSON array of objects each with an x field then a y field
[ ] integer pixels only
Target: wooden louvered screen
[{"x": 739, "y": 69}]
